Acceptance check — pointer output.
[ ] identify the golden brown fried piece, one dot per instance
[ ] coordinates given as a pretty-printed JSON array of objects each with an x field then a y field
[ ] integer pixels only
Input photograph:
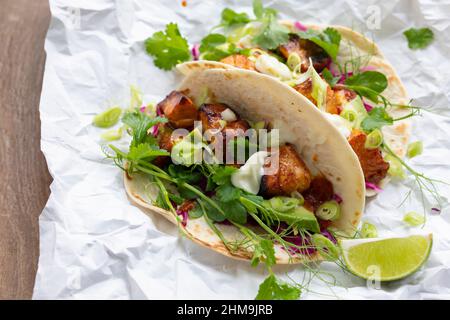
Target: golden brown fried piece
[
  {"x": 292, "y": 174},
  {"x": 179, "y": 110},
  {"x": 305, "y": 88},
  {"x": 306, "y": 49},
  {"x": 236, "y": 128},
  {"x": 372, "y": 163},
  {"x": 211, "y": 115},
  {"x": 239, "y": 61},
  {"x": 165, "y": 141}
]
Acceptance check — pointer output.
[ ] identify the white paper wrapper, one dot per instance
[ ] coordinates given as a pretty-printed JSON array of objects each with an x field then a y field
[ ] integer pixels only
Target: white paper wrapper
[{"x": 95, "y": 244}]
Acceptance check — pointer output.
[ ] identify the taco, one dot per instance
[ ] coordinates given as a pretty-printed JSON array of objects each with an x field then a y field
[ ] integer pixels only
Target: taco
[
  {"x": 285, "y": 201},
  {"x": 343, "y": 74}
]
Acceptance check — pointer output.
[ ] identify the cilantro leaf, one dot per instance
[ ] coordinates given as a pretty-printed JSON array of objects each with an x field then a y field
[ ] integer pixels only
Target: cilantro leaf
[
  {"x": 369, "y": 84},
  {"x": 329, "y": 40},
  {"x": 264, "y": 250},
  {"x": 234, "y": 211},
  {"x": 419, "y": 38},
  {"x": 377, "y": 118},
  {"x": 227, "y": 192},
  {"x": 328, "y": 76},
  {"x": 214, "y": 47},
  {"x": 145, "y": 151},
  {"x": 195, "y": 212},
  {"x": 140, "y": 123},
  {"x": 222, "y": 174},
  {"x": 184, "y": 174},
  {"x": 272, "y": 289},
  {"x": 169, "y": 48},
  {"x": 272, "y": 34},
  {"x": 231, "y": 18},
  {"x": 212, "y": 212}
]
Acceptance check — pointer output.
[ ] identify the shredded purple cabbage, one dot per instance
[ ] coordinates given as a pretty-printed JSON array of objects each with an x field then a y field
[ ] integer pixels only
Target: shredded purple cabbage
[
  {"x": 195, "y": 51},
  {"x": 184, "y": 216},
  {"x": 436, "y": 210},
  {"x": 373, "y": 186},
  {"x": 300, "y": 26},
  {"x": 337, "y": 198}
]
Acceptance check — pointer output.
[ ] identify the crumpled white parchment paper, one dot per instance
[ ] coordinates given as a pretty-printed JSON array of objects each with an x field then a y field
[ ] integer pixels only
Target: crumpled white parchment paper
[{"x": 94, "y": 244}]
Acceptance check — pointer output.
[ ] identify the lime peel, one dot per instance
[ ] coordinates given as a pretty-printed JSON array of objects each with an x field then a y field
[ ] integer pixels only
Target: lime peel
[{"x": 395, "y": 258}]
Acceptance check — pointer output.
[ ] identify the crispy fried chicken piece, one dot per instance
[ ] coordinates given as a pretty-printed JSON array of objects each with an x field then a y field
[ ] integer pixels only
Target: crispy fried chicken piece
[
  {"x": 211, "y": 115},
  {"x": 239, "y": 61},
  {"x": 179, "y": 110},
  {"x": 375, "y": 168},
  {"x": 305, "y": 88},
  {"x": 292, "y": 174},
  {"x": 319, "y": 192},
  {"x": 236, "y": 128},
  {"x": 306, "y": 49},
  {"x": 165, "y": 141}
]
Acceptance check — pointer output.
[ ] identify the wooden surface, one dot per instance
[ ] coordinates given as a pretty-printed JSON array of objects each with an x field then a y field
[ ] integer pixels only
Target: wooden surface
[{"x": 24, "y": 183}]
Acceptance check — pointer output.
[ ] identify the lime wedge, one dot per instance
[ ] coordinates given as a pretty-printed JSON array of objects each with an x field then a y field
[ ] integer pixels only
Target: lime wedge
[{"x": 386, "y": 259}]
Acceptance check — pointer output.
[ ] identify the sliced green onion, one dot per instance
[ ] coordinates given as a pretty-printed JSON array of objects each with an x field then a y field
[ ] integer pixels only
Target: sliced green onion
[
  {"x": 107, "y": 118},
  {"x": 414, "y": 149},
  {"x": 414, "y": 219},
  {"x": 349, "y": 115},
  {"x": 299, "y": 196},
  {"x": 395, "y": 167},
  {"x": 284, "y": 204},
  {"x": 293, "y": 60},
  {"x": 330, "y": 210},
  {"x": 112, "y": 134},
  {"x": 136, "y": 97},
  {"x": 368, "y": 230},
  {"x": 325, "y": 246},
  {"x": 374, "y": 139}
]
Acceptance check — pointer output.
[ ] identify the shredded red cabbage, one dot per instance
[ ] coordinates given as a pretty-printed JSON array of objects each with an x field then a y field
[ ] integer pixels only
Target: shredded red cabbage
[
  {"x": 373, "y": 186},
  {"x": 301, "y": 242},
  {"x": 184, "y": 216},
  {"x": 337, "y": 198},
  {"x": 328, "y": 235},
  {"x": 142, "y": 109},
  {"x": 300, "y": 26},
  {"x": 344, "y": 77},
  {"x": 196, "y": 51},
  {"x": 155, "y": 130},
  {"x": 367, "y": 106},
  {"x": 436, "y": 210}
]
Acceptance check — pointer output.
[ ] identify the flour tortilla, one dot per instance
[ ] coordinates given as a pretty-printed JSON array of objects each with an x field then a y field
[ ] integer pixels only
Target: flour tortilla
[
  {"x": 257, "y": 97},
  {"x": 353, "y": 44}
]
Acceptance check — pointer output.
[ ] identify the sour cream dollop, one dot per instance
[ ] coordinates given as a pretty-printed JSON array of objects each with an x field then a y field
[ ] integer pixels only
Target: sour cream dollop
[{"x": 248, "y": 177}]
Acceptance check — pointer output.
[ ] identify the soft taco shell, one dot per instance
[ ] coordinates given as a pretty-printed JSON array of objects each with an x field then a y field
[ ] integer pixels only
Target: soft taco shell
[
  {"x": 353, "y": 44},
  {"x": 257, "y": 97}
]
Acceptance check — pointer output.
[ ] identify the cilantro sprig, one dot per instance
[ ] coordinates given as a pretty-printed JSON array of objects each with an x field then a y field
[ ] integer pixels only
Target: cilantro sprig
[
  {"x": 419, "y": 38},
  {"x": 328, "y": 39},
  {"x": 272, "y": 33},
  {"x": 168, "y": 48}
]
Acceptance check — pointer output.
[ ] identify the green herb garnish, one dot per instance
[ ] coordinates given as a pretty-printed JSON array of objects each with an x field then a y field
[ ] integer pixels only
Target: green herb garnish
[
  {"x": 369, "y": 84},
  {"x": 231, "y": 18},
  {"x": 168, "y": 48},
  {"x": 328, "y": 39},
  {"x": 419, "y": 38}
]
